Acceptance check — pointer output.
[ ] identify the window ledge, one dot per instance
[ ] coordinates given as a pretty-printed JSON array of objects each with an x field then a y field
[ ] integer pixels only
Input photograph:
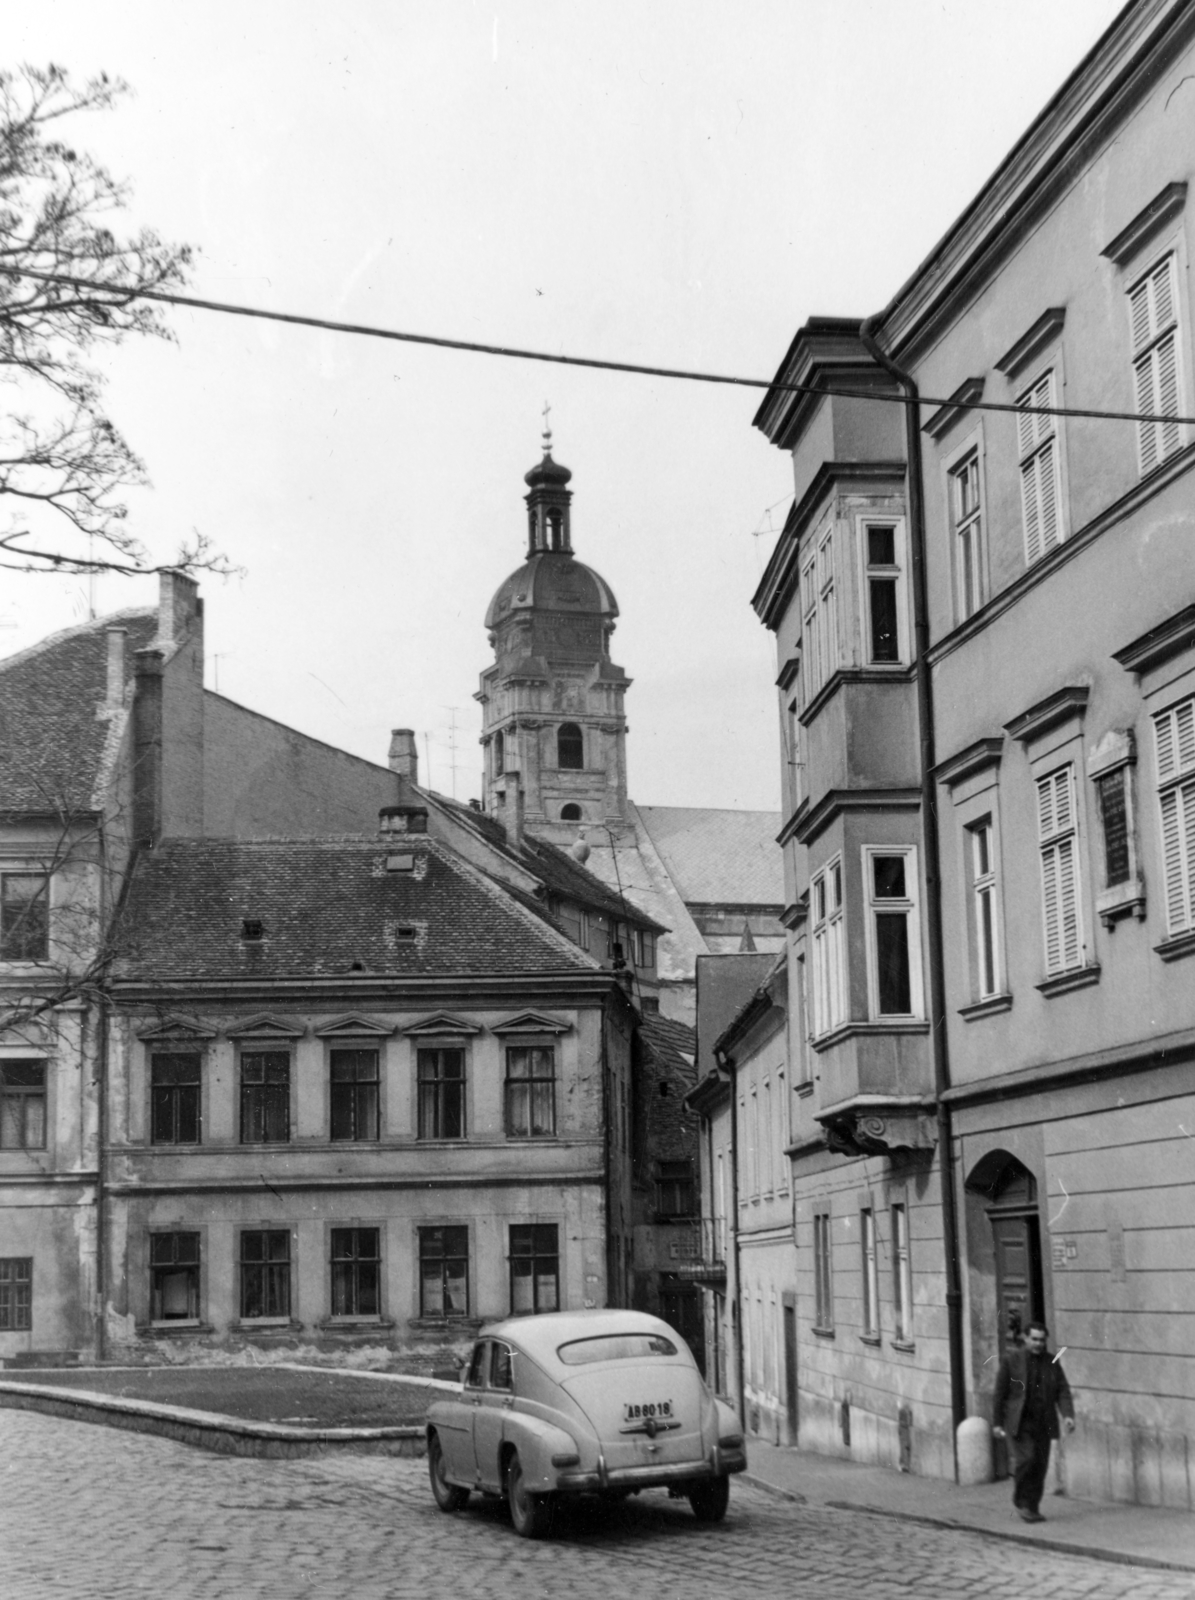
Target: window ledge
[
  {"x": 446, "y": 1324},
  {"x": 266, "y": 1325},
  {"x": 847, "y": 1030},
  {"x": 1064, "y": 982},
  {"x": 986, "y": 1008},
  {"x": 870, "y": 1338},
  {"x": 803, "y": 1090},
  {"x": 823, "y": 1333},
  {"x": 166, "y": 1330},
  {"x": 1182, "y": 944},
  {"x": 902, "y": 1344},
  {"x": 1124, "y": 899},
  {"x": 353, "y": 1324}
]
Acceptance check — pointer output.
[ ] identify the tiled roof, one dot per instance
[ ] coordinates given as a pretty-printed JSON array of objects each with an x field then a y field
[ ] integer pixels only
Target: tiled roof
[
  {"x": 52, "y": 743},
  {"x": 719, "y": 857},
  {"x": 671, "y": 1042},
  {"x": 325, "y": 904}
]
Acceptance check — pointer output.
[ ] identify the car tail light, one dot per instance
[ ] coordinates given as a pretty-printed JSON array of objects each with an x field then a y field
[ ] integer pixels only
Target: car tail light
[{"x": 566, "y": 1461}]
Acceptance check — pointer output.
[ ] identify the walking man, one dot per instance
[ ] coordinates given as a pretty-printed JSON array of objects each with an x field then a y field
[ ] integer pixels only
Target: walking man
[{"x": 1031, "y": 1390}]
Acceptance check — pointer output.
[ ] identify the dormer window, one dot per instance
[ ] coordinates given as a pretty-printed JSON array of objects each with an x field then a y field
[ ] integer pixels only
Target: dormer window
[
  {"x": 252, "y": 931},
  {"x": 570, "y": 747}
]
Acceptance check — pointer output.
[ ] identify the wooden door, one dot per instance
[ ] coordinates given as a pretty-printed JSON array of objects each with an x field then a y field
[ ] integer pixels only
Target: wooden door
[
  {"x": 790, "y": 1367},
  {"x": 1018, "y": 1272}
]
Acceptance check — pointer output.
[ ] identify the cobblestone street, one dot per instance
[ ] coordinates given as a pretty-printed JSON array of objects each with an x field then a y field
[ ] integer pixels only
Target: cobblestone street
[{"x": 98, "y": 1514}]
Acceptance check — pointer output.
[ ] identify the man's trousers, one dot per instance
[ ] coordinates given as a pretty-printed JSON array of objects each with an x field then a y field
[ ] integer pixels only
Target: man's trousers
[{"x": 1030, "y": 1461}]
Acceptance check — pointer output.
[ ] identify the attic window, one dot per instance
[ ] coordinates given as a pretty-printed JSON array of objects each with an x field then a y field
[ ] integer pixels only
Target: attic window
[
  {"x": 406, "y": 930},
  {"x": 252, "y": 930},
  {"x": 400, "y": 863}
]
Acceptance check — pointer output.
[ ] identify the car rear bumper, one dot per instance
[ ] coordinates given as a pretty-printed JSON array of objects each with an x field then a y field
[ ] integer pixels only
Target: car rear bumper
[{"x": 662, "y": 1475}]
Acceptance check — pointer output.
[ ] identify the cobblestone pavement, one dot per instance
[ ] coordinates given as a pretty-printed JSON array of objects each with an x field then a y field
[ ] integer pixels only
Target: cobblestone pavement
[{"x": 89, "y": 1513}]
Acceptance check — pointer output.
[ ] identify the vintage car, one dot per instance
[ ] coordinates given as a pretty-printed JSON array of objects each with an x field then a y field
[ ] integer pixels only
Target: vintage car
[{"x": 582, "y": 1402}]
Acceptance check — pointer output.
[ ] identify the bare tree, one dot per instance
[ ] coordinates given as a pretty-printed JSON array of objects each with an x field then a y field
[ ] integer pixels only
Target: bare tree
[{"x": 68, "y": 283}]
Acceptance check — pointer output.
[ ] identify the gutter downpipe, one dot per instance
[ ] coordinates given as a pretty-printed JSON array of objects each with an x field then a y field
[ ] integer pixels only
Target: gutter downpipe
[
  {"x": 933, "y": 880},
  {"x": 726, "y": 1064},
  {"x": 101, "y": 1249}
]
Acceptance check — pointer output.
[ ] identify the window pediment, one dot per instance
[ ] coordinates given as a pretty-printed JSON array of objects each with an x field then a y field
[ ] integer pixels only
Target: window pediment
[
  {"x": 441, "y": 1022},
  {"x": 176, "y": 1028},
  {"x": 265, "y": 1026},
  {"x": 354, "y": 1026},
  {"x": 532, "y": 1022}
]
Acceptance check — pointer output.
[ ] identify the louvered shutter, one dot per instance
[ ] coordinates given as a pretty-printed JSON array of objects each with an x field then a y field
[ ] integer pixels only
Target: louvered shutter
[
  {"x": 1059, "y": 871},
  {"x": 1152, "y": 315},
  {"x": 1038, "y": 449},
  {"x": 1175, "y": 735}
]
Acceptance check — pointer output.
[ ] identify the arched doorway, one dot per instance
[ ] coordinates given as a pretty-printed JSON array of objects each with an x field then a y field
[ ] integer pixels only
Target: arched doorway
[{"x": 1009, "y": 1194}]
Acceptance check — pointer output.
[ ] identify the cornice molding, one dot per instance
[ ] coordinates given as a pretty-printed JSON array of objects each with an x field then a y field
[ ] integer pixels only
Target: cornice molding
[
  {"x": 1032, "y": 342},
  {"x": 1048, "y": 713},
  {"x": 835, "y": 801},
  {"x": 1149, "y": 221},
  {"x": 1167, "y": 639},
  {"x": 960, "y": 402},
  {"x": 966, "y": 763},
  {"x": 1143, "y": 1055}
]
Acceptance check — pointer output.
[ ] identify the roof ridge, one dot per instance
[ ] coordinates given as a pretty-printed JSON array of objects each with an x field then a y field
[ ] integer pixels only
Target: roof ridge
[{"x": 73, "y": 632}]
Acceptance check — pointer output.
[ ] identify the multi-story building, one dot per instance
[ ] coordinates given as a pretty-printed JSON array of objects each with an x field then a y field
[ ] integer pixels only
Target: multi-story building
[{"x": 986, "y": 632}]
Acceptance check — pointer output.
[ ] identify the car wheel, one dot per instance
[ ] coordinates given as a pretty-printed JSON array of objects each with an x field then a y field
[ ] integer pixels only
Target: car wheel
[
  {"x": 529, "y": 1512},
  {"x": 710, "y": 1499},
  {"x": 448, "y": 1497}
]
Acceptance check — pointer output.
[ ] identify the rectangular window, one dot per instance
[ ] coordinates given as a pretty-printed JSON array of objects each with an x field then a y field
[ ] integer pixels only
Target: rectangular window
[
  {"x": 675, "y": 1190},
  {"x": 792, "y": 749},
  {"x": 1058, "y": 844},
  {"x": 966, "y": 508},
  {"x": 894, "y": 932},
  {"x": 174, "y": 1277},
  {"x": 24, "y": 916},
  {"x": 534, "y": 1268},
  {"x": 265, "y": 1097},
  {"x": 265, "y": 1273},
  {"x": 829, "y": 952},
  {"x": 645, "y": 948},
  {"x": 902, "y": 1275},
  {"x": 1037, "y": 449},
  {"x": 354, "y": 1094},
  {"x": 22, "y": 1105},
  {"x": 984, "y": 909},
  {"x": 444, "y": 1272},
  {"x": 441, "y": 1094},
  {"x": 531, "y": 1092},
  {"x": 883, "y": 591},
  {"x": 871, "y": 1275},
  {"x": 1153, "y": 317},
  {"x": 174, "y": 1099},
  {"x": 1174, "y": 737},
  {"x": 16, "y": 1294},
  {"x": 820, "y": 616},
  {"x": 823, "y": 1271},
  {"x": 356, "y": 1272}
]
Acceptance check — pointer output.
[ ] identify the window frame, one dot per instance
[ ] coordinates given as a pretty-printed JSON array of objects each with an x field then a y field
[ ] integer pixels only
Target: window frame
[
  {"x": 908, "y": 907},
  {"x": 902, "y": 1274},
  {"x": 576, "y": 746},
  {"x": 894, "y": 573},
  {"x": 1035, "y": 437},
  {"x": 983, "y": 890},
  {"x": 445, "y": 1258},
  {"x": 192, "y": 1269},
  {"x": 1053, "y": 844},
  {"x": 1145, "y": 347},
  {"x": 273, "y": 1271},
  {"x": 678, "y": 1185},
  {"x": 969, "y": 524},
  {"x": 535, "y": 1254},
  {"x": 170, "y": 1095},
  {"x": 820, "y": 633},
  {"x": 264, "y": 1100},
  {"x": 827, "y": 934},
  {"x": 17, "y": 1099},
  {"x": 869, "y": 1299},
  {"x": 511, "y": 1083},
  {"x": 350, "y": 1090},
  {"x": 16, "y": 1294},
  {"x": 11, "y": 947},
  {"x": 823, "y": 1271},
  {"x": 353, "y": 1261},
  {"x": 432, "y": 1090},
  {"x": 1174, "y": 770}
]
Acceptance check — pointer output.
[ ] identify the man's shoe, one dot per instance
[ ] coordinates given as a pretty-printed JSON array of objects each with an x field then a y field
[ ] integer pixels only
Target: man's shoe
[{"x": 1035, "y": 1516}]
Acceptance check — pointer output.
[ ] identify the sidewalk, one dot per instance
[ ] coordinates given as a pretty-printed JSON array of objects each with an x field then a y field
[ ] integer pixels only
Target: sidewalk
[{"x": 1133, "y": 1535}]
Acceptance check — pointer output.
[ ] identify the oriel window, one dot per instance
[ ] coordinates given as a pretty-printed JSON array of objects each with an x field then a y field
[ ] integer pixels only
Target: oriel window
[{"x": 883, "y": 593}]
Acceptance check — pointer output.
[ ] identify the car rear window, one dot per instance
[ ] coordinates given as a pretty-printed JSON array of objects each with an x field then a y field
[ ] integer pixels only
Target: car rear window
[{"x": 615, "y": 1347}]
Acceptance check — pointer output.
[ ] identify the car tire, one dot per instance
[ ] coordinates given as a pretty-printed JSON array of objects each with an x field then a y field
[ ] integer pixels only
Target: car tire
[
  {"x": 447, "y": 1496},
  {"x": 528, "y": 1512},
  {"x": 710, "y": 1499}
]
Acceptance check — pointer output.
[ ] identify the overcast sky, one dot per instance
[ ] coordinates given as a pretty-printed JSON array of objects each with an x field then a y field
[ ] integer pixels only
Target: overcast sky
[{"x": 673, "y": 182}]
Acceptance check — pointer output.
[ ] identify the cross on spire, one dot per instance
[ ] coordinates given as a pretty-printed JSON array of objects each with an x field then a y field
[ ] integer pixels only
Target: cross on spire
[{"x": 547, "y": 429}]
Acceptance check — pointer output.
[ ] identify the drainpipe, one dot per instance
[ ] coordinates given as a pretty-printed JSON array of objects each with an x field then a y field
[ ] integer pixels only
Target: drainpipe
[
  {"x": 101, "y": 1251},
  {"x": 933, "y": 880},
  {"x": 727, "y": 1066}
]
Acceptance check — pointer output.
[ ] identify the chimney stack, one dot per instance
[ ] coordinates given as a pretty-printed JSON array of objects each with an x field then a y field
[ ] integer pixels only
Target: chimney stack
[
  {"x": 178, "y": 605},
  {"x": 114, "y": 693},
  {"x": 404, "y": 758}
]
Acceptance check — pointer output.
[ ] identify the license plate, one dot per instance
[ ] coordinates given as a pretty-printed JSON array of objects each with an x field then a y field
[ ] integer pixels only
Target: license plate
[{"x": 641, "y": 1411}]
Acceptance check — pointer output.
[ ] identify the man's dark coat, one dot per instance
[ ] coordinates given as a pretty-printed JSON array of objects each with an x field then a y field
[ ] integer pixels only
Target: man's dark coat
[{"x": 1011, "y": 1389}]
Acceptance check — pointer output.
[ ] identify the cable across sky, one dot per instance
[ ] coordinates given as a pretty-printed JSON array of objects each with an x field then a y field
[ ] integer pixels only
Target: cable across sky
[{"x": 123, "y": 294}]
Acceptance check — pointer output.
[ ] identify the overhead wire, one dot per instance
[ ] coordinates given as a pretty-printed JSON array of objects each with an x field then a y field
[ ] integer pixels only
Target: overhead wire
[{"x": 124, "y": 293}]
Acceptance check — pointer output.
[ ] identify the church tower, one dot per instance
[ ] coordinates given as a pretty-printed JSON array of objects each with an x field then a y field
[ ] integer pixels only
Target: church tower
[{"x": 553, "y": 727}]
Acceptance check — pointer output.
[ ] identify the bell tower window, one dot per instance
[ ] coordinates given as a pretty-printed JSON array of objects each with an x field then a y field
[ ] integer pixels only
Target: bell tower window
[
  {"x": 570, "y": 813},
  {"x": 499, "y": 753},
  {"x": 570, "y": 747},
  {"x": 555, "y": 530}
]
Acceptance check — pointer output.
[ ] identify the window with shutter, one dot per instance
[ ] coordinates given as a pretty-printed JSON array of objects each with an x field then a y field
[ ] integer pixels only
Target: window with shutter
[
  {"x": 829, "y": 979},
  {"x": 1058, "y": 841},
  {"x": 1037, "y": 449},
  {"x": 1174, "y": 732},
  {"x": 1153, "y": 317}
]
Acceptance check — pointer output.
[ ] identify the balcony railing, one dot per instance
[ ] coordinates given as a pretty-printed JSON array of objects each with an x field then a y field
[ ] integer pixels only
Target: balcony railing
[{"x": 696, "y": 1252}]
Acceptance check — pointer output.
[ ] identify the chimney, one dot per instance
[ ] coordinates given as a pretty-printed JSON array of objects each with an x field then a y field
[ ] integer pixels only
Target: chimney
[
  {"x": 512, "y": 810},
  {"x": 178, "y": 605},
  {"x": 147, "y": 748},
  {"x": 114, "y": 693},
  {"x": 404, "y": 758}
]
